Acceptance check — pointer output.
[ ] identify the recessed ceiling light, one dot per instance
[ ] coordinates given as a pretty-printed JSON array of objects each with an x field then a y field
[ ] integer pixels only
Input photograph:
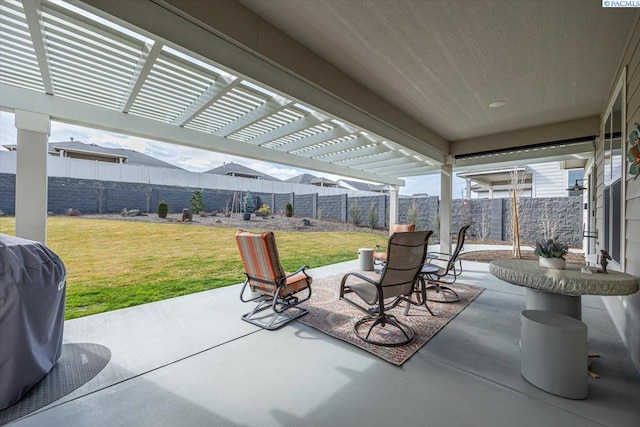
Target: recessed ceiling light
[{"x": 497, "y": 104}]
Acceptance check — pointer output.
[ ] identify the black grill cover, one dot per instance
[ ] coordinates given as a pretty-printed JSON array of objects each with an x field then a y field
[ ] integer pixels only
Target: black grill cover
[{"x": 32, "y": 295}]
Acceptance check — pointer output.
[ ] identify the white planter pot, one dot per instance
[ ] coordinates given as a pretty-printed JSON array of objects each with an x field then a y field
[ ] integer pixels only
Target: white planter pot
[{"x": 557, "y": 263}]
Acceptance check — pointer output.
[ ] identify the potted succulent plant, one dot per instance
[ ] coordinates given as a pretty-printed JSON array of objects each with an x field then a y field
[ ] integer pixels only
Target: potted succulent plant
[{"x": 551, "y": 254}]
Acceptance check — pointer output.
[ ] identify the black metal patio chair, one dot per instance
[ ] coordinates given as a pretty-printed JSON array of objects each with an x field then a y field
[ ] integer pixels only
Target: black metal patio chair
[{"x": 405, "y": 258}]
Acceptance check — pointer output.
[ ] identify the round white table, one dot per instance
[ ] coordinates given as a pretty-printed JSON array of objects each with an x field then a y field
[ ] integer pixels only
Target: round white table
[{"x": 561, "y": 290}]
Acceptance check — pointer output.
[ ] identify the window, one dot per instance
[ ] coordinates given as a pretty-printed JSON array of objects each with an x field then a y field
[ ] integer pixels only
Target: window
[{"x": 612, "y": 241}]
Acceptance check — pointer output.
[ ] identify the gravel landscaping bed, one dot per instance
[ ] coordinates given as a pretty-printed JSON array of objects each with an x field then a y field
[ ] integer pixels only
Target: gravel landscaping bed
[{"x": 271, "y": 222}]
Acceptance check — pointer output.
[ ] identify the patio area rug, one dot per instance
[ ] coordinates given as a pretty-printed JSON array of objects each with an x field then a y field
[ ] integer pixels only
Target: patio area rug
[{"x": 328, "y": 314}]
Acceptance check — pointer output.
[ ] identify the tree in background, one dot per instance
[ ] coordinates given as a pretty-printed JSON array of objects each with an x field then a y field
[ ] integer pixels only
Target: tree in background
[
  {"x": 197, "y": 204},
  {"x": 248, "y": 204},
  {"x": 354, "y": 213},
  {"x": 413, "y": 215},
  {"x": 372, "y": 216},
  {"x": 518, "y": 178}
]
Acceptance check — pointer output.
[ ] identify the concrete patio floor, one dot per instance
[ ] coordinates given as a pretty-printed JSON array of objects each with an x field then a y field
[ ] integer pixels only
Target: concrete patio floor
[{"x": 191, "y": 361}]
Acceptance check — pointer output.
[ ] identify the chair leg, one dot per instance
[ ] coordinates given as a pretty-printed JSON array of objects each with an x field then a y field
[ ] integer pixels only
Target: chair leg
[
  {"x": 421, "y": 293},
  {"x": 283, "y": 311},
  {"x": 384, "y": 321},
  {"x": 443, "y": 290}
]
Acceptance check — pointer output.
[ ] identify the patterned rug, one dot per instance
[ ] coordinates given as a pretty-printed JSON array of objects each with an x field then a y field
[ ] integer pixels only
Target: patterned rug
[{"x": 328, "y": 314}]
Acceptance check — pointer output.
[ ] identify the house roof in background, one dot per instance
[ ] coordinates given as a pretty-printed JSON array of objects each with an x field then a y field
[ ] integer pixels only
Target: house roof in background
[
  {"x": 362, "y": 186},
  {"x": 305, "y": 178},
  {"x": 129, "y": 156},
  {"x": 324, "y": 182},
  {"x": 235, "y": 169}
]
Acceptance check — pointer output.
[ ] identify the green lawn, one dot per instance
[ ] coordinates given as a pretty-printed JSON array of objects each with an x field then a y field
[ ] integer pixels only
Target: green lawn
[{"x": 113, "y": 264}]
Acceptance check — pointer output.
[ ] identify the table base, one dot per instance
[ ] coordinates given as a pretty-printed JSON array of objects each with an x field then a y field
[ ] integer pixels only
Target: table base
[{"x": 569, "y": 305}]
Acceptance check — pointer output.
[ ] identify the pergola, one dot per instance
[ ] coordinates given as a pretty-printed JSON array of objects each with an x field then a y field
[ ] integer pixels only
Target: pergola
[
  {"x": 60, "y": 61},
  {"x": 146, "y": 68}
]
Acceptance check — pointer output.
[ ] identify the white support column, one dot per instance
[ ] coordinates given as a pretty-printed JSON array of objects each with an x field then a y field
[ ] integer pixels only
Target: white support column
[
  {"x": 446, "y": 206},
  {"x": 31, "y": 175},
  {"x": 468, "y": 189},
  {"x": 393, "y": 205}
]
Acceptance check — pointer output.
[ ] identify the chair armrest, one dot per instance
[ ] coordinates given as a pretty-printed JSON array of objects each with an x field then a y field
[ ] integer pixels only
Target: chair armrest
[
  {"x": 300, "y": 270},
  {"x": 440, "y": 256},
  {"x": 344, "y": 286},
  {"x": 359, "y": 276}
]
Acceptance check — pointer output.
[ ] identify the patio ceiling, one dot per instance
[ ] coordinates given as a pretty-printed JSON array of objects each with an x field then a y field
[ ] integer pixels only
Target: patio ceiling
[
  {"x": 365, "y": 89},
  {"x": 445, "y": 62},
  {"x": 77, "y": 67},
  {"x": 442, "y": 63}
]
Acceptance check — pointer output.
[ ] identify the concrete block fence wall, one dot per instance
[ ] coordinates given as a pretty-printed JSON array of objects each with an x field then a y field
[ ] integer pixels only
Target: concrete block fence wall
[
  {"x": 427, "y": 208},
  {"x": 490, "y": 219},
  {"x": 363, "y": 205},
  {"x": 559, "y": 217},
  {"x": 333, "y": 207}
]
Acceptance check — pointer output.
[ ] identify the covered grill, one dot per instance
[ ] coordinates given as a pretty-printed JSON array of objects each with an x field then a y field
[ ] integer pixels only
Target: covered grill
[{"x": 32, "y": 298}]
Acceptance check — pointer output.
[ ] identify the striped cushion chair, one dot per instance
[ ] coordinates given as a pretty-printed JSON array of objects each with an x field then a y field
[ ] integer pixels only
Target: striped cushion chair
[
  {"x": 277, "y": 290},
  {"x": 380, "y": 256}
]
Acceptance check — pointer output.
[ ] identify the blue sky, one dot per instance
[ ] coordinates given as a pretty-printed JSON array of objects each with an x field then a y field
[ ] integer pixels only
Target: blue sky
[{"x": 198, "y": 160}]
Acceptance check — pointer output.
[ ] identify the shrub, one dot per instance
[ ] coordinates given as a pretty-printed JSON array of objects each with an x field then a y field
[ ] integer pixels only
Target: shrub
[
  {"x": 413, "y": 215},
  {"x": 354, "y": 214},
  {"x": 197, "y": 204},
  {"x": 73, "y": 212},
  {"x": 264, "y": 210},
  {"x": 203, "y": 213},
  {"x": 372, "y": 216},
  {"x": 288, "y": 209},
  {"x": 163, "y": 209},
  {"x": 248, "y": 204}
]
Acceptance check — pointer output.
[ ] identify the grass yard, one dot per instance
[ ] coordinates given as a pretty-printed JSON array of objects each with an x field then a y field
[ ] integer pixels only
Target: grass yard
[{"x": 116, "y": 264}]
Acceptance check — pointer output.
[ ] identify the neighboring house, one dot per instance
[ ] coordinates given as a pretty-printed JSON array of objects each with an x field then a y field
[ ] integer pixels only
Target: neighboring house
[
  {"x": 308, "y": 179},
  {"x": 324, "y": 182},
  {"x": 550, "y": 179},
  {"x": 363, "y": 186},
  {"x": 235, "y": 169},
  {"x": 305, "y": 178},
  {"x": 80, "y": 150}
]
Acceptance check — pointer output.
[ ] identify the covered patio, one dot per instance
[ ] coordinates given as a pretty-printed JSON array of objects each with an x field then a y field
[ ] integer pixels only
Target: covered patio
[
  {"x": 244, "y": 78},
  {"x": 192, "y": 361}
]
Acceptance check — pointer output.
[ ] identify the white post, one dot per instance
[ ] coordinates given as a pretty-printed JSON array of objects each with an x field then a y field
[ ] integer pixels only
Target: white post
[
  {"x": 31, "y": 175},
  {"x": 393, "y": 205},
  {"x": 468, "y": 182},
  {"x": 446, "y": 206}
]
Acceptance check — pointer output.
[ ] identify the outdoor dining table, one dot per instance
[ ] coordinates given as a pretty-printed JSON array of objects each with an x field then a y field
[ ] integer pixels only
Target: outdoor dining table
[{"x": 561, "y": 290}]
